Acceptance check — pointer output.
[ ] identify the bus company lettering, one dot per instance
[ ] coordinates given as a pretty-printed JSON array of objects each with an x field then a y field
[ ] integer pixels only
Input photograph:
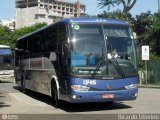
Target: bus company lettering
[
  {"x": 36, "y": 64},
  {"x": 89, "y": 82}
]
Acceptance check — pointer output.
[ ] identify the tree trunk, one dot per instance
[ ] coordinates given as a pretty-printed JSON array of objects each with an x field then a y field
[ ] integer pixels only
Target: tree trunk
[{"x": 128, "y": 6}]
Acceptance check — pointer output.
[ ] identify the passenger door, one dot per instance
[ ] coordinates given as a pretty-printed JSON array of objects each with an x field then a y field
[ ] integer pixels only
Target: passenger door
[{"x": 63, "y": 58}]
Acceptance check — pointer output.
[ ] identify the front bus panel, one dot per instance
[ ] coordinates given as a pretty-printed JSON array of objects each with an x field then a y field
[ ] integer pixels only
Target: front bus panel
[{"x": 96, "y": 74}]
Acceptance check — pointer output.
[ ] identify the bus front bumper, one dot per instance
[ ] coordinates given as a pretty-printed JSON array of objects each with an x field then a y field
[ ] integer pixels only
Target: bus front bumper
[{"x": 103, "y": 96}]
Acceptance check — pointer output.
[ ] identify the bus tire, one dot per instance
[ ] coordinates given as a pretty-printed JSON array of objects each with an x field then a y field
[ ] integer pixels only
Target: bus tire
[
  {"x": 23, "y": 84},
  {"x": 56, "y": 101},
  {"x": 110, "y": 103}
]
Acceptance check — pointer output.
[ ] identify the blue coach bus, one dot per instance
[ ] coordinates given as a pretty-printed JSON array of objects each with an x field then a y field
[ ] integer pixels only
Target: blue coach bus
[
  {"x": 79, "y": 60},
  {"x": 6, "y": 61}
]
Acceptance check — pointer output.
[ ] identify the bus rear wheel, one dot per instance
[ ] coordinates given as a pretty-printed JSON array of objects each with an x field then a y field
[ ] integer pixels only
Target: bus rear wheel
[
  {"x": 56, "y": 101},
  {"x": 110, "y": 103},
  {"x": 23, "y": 85}
]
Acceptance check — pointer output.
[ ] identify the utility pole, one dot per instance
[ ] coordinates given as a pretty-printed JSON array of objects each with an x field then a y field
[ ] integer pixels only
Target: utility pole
[
  {"x": 158, "y": 6},
  {"x": 27, "y": 14},
  {"x": 78, "y": 8}
]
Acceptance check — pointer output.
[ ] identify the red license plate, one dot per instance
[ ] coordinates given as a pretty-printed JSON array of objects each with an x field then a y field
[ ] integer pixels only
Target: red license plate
[{"x": 109, "y": 96}]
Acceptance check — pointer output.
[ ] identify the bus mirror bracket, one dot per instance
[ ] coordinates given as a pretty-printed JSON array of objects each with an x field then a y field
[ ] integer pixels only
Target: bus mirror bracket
[{"x": 66, "y": 49}]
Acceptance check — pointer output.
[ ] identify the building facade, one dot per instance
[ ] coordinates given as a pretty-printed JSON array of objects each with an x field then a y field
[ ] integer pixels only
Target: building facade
[
  {"x": 9, "y": 23},
  {"x": 29, "y": 12}
]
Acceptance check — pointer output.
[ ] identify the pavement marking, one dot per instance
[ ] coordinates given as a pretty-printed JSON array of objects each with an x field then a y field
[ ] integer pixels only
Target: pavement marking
[
  {"x": 18, "y": 98},
  {"x": 6, "y": 90},
  {"x": 15, "y": 96},
  {"x": 29, "y": 101}
]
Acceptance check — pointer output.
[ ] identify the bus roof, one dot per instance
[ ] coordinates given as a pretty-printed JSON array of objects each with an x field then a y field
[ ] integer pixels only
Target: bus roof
[
  {"x": 4, "y": 46},
  {"x": 94, "y": 20},
  {"x": 83, "y": 20}
]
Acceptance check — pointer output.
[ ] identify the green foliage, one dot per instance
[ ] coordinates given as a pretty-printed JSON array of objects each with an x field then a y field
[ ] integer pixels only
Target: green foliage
[
  {"x": 108, "y": 3},
  {"x": 147, "y": 27},
  {"x": 8, "y": 37},
  {"x": 127, "y": 4},
  {"x": 23, "y": 31},
  {"x": 116, "y": 15},
  {"x": 143, "y": 23},
  {"x": 156, "y": 22},
  {"x": 5, "y": 35}
]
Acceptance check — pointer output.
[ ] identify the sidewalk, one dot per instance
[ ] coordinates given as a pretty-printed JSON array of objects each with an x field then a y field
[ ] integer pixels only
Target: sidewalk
[
  {"x": 7, "y": 79},
  {"x": 149, "y": 86},
  {"x": 7, "y": 76}
]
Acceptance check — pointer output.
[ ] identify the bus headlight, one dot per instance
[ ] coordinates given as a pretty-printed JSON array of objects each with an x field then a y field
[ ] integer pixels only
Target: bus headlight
[
  {"x": 131, "y": 86},
  {"x": 80, "y": 87}
]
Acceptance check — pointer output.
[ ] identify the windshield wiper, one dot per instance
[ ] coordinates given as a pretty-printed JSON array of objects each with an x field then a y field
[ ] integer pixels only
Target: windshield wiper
[
  {"x": 101, "y": 61},
  {"x": 114, "y": 62},
  {"x": 118, "y": 67}
]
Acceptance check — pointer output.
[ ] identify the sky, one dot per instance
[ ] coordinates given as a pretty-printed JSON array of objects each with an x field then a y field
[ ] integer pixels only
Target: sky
[{"x": 7, "y": 7}]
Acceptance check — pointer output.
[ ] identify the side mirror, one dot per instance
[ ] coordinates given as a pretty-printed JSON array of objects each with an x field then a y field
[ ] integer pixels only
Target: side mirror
[{"x": 53, "y": 56}]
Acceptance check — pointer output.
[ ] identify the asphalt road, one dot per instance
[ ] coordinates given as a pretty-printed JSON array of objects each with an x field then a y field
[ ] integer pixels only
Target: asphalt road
[{"x": 13, "y": 102}]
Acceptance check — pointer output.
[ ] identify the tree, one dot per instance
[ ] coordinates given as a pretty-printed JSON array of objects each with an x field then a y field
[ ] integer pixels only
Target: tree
[
  {"x": 115, "y": 15},
  {"x": 25, "y": 30},
  {"x": 156, "y": 21},
  {"x": 147, "y": 27},
  {"x": 155, "y": 37},
  {"x": 5, "y": 35},
  {"x": 127, "y": 4},
  {"x": 8, "y": 37}
]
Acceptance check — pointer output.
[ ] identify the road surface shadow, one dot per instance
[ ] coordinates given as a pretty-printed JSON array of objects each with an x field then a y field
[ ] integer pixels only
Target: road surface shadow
[
  {"x": 36, "y": 95},
  {"x": 17, "y": 88},
  {"x": 2, "y": 105},
  {"x": 88, "y": 107},
  {"x": 2, "y": 81},
  {"x": 80, "y": 107},
  {"x": 1, "y": 96}
]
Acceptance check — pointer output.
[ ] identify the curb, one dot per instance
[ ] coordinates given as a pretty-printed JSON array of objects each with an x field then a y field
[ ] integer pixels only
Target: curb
[{"x": 149, "y": 86}]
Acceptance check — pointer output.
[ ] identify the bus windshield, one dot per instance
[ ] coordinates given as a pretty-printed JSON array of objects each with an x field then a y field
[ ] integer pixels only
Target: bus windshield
[
  {"x": 90, "y": 42},
  {"x": 6, "y": 59},
  {"x": 5, "y": 51}
]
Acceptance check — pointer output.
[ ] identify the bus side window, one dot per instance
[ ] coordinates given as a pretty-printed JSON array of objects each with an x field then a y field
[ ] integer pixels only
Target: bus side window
[
  {"x": 62, "y": 33},
  {"x": 18, "y": 46},
  {"x": 22, "y": 46},
  {"x": 61, "y": 42},
  {"x": 52, "y": 38},
  {"x": 31, "y": 45}
]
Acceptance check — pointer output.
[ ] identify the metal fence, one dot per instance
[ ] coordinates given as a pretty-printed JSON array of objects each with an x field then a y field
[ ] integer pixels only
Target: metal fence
[{"x": 152, "y": 74}]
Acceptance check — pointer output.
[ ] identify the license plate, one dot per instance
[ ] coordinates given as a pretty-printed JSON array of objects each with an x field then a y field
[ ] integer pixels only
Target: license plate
[{"x": 108, "y": 96}]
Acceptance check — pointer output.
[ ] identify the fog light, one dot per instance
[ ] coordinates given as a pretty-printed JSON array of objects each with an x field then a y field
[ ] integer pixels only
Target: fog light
[
  {"x": 135, "y": 95},
  {"x": 76, "y": 96}
]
